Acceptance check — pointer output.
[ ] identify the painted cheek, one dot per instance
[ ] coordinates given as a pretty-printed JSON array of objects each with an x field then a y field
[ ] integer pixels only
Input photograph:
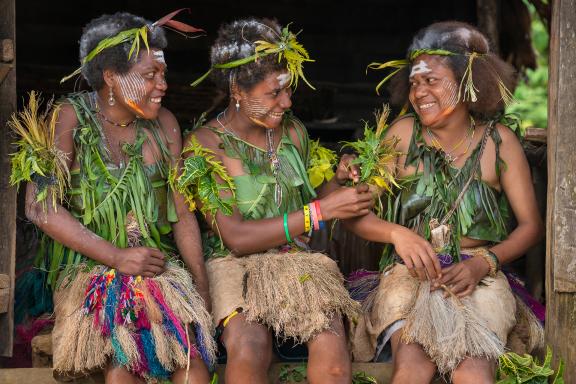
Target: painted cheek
[
  {"x": 255, "y": 108},
  {"x": 448, "y": 93},
  {"x": 132, "y": 87}
]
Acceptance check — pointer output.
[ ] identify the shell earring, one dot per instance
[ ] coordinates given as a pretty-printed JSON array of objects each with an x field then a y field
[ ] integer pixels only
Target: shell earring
[
  {"x": 111, "y": 100},
  {"x": 237, "y": 105}
]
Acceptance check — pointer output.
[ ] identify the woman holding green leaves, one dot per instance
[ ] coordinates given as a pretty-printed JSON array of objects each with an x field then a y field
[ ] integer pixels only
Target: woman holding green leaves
[
  {"x": 247, "y": 171},
  {"x": 452, "y": 312},
  {"x": 118, "y": 239}
]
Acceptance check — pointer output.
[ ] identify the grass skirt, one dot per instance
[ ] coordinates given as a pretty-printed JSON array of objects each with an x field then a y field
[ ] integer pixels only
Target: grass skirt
[
  {"x": 142, "y": 324},
  {"x": 448, "y": 329},
  {"x": 297, "y": 295}
]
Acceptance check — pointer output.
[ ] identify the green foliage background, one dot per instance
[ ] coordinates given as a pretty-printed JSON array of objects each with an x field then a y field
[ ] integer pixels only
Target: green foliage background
[{"x": 531, "y": 95}]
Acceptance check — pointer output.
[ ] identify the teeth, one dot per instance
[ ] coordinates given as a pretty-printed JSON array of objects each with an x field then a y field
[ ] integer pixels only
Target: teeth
[
  {"x": 425, "y": 106},
  {"x": 276, "y": 115},
  {"x": 156, "y": 100}
]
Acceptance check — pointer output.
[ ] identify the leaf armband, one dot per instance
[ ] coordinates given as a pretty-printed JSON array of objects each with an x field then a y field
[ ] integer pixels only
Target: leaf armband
[
  {"x": 202, "y": 179},
  {"x": 321, "y": 164},
  {"x": 37, "y": 158}
]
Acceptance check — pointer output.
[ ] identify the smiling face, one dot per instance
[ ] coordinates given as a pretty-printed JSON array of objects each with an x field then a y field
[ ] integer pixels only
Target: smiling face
[
  {"x": 266, "y": 102},
  {"x": 141, "y": 89},
  {"x": 433, "y": 89}
]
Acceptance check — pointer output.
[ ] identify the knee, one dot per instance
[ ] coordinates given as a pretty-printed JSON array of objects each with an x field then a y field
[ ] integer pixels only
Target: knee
[
  {"x": 464, "y": 376},
  {"x": 252, "y": 348},
  {"x": 339, "y": 373},
  {"x": 411, "y": 372}
]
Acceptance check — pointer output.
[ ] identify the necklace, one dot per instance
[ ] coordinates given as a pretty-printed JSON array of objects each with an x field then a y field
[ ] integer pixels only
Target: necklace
[
  {"x": 101, "y": 114},
  {"x": 449, "y": 154},
  {"x": 123, "y": 125},
  {"x": 274, "y": 163}
]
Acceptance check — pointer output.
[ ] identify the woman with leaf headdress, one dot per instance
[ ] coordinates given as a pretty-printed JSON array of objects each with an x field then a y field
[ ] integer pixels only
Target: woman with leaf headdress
[
  {"x": 117, "y": 238},
  {"x": 248, "y": 171},
  {"x": 445, "y": 306}
]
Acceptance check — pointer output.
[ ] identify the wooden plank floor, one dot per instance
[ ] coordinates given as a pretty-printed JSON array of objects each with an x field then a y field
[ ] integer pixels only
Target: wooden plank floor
[{"x": 381, "y": 371}]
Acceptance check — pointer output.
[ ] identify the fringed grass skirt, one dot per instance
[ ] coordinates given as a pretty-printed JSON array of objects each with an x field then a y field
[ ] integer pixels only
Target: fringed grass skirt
[
  {"x": 295, "y": 294},
  {"x": 139, "y": 323},
  {"x": 448, "y": 329}
]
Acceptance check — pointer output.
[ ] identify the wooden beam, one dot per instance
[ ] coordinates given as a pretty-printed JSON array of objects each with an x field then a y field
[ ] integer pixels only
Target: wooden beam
[
  {"x": 561, "y": 213},
  {"x": 7, "y": 193}
]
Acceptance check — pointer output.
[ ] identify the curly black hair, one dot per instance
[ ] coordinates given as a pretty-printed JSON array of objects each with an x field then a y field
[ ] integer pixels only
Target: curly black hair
[
  {"x": 236, "y": 41},
  {"x": 462, "y": 39},
  {"x": 114, "y": 58}
]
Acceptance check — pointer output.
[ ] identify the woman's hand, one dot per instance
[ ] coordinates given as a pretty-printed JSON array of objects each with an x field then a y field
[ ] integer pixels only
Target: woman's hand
[
  {"x": 347, "y": 202},
  {"x": 143, "y": 261},
  {"x": 417, "y": 254},
  {"x": 347, "y": 171},
  {"x": 463, "y": 277}
]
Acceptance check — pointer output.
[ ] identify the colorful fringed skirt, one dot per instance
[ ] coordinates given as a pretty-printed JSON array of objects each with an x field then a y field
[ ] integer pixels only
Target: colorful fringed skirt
[
  {"x": 150, "y": 326},
  {"x": 449, "y": 329},
  {"x": 297, "y": 295}
]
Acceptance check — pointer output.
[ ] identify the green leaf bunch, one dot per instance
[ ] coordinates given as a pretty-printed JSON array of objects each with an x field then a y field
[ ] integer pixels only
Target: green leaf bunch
[
  {"x": 375, "y": 154},
  {"x": 204, "y": 178},
  {"x": 321, "y": 164},
  {"x": 37, "y": 158},
  {"x": 525, "y": 369}
]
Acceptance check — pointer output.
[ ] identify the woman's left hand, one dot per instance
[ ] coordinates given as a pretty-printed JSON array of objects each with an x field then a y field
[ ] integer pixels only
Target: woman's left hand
[
  {"x": 463, "y": 277},
  {"x": 347, "y": 171}
]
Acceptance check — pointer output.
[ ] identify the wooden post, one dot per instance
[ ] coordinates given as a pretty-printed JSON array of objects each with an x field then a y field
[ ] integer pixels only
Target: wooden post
[
  {"x": 7, "y": 193},
  {"x": 561, "y": 215}
]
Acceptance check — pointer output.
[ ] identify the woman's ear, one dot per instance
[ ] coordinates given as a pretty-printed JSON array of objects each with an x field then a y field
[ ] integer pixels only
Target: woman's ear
[
  {"x": 109, "y": 78},
  {"x": 235, "y": 92}
]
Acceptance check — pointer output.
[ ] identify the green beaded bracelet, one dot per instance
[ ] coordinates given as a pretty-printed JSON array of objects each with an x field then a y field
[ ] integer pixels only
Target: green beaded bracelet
[{"x": 286, "y": 228}]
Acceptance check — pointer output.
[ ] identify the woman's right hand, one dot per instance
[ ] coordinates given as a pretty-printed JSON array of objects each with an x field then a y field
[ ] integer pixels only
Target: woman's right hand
[
  {"x": 346, "y": 202},
  {"x": 143, "y": 261},
  {"x": 416, "y": 253}
]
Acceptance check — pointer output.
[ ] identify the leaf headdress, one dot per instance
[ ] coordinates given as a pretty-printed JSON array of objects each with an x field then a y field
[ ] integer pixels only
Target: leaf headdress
[
  {"x": 467, "y": 91},
  {"x": 285, "y": 47},
  {"x": 135, "y": 35}
]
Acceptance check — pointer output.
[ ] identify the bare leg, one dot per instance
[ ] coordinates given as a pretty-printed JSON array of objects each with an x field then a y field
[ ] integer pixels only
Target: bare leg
[
  {"x": 198, "y": 373},
  {"x": 249, "y": 349},
  {"x": 120, "y": 375},
  {"x": 474, "y": 370},
  {"x": 329, "y": 358},
  {"x": 411, "y": 364}
]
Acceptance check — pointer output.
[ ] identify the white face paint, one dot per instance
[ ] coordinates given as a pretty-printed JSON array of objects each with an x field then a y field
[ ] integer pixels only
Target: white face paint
[
  {"x": 420, "y": 67},
  {"x": 159, "y": 56},
  {"x": 283, "y": 79},
  {"x": 132, "y": 86}
]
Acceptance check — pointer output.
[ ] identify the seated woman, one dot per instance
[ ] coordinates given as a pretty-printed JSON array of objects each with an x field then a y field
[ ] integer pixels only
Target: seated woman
[
  {"x": 453, "y": 312},
  {"x": 247, "y": 171},
  {"x": 124, "y": 300}
]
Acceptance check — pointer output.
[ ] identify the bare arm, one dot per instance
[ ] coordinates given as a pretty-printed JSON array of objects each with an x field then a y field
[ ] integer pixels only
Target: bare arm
[
  {"x": 186, "y": 231},
  {"x": 516, "y": 182},
  {"x": 60, "y": 225},
  {"x": 416, "y": 253}
]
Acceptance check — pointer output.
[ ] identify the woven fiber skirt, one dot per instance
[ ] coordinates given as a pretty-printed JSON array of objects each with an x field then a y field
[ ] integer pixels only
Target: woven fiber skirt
[
  {"x": 449, "y": 329},
  {"x": 295, "y": 294},
  {"x": 150, "y": 326}
]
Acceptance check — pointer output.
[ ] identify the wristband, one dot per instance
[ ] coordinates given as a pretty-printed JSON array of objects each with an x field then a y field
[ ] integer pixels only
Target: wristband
[
  {"x": 314, "y": 213},
  {"x": 288, "y": 239},
  {"x": 319, "y": 214},
  {"x": 306, "y": 218}
]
